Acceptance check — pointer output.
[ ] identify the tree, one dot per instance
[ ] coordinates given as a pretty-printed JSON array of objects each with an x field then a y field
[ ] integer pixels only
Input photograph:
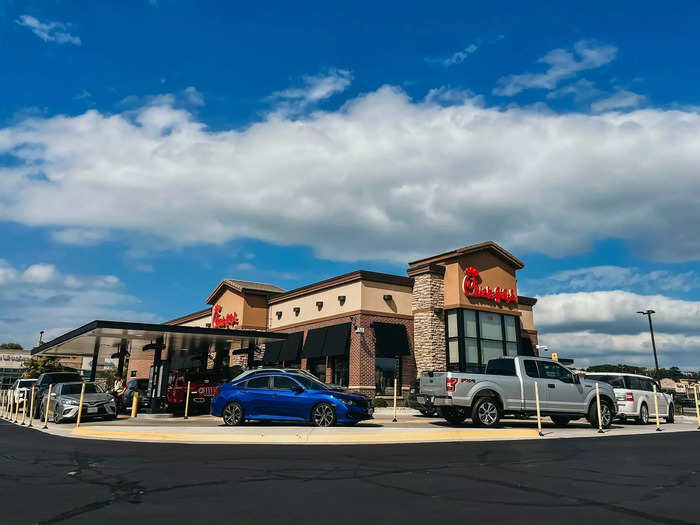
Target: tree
[
  {"x": 34, "y": 367},
  {"x": 11, "y": 346}
]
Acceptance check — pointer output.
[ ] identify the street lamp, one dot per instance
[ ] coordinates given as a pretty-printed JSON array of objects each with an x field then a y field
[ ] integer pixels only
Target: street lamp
[{"x": 653, "y": 343}]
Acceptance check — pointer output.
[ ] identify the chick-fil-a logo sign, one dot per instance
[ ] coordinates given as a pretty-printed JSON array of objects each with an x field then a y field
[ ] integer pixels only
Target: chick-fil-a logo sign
[
  {"x": 471, "y": 288},
  {"x": 223, "y": 321}
]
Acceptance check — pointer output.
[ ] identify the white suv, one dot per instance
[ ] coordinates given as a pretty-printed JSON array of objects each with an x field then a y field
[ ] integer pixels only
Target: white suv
[{"x": 635, "y": 396}]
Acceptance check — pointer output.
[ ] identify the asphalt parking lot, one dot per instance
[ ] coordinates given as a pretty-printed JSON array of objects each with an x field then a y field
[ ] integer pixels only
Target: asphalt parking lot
[{"x": 623, "y": 479}]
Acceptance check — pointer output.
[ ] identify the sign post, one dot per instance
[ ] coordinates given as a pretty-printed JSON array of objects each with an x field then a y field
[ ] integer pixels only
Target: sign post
[
  {"x": 537, "y": 402},
  {"x": 187, "y": 400},
  {"x": 656, "y": 408},
  {"x": 395, "y": 385}
]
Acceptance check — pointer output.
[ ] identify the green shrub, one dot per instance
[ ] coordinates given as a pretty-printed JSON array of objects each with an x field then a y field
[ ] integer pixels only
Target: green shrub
[{"x": 380, "y": 403}]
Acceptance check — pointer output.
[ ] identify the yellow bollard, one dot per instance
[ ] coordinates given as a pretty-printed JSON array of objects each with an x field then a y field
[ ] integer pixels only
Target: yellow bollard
[
  {"x": 597, "y": 400},
  {"x": 697, "y": 409},
  {"x": 537, "y": 403},
  {"x": 134, "y": 404},
  {"x": 24, "y": 409},
  {"x": 10, "y": 406},
  {"x": 80, "y": 405},
  {"x": 187, "y": 400},
  {"x": 31, "y": 407},
  {"x": 16, "y": 409},
  {"x": 3, "y": 401},
  {"x": 46, "y": 410},
  {"x": 656, "y": 407},
  {"x": 395, "y": 388}
]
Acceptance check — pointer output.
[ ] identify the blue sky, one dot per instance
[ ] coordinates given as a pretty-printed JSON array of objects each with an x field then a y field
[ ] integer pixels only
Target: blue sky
[{"x": 149, "y": 149}]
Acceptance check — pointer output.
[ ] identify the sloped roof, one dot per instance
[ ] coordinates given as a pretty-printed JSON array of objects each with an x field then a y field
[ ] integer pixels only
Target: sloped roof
[
  {"x": 245, "y": 286},
  {"x": 489, "y": 246}
]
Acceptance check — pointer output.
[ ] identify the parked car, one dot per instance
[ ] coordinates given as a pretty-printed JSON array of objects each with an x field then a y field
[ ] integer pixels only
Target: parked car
[
  {"x": 21, "y": 388},
  {"x": 202, "y": 389},
  {"x": 287, "y": 396},
  {"x": 65, "y": 398},
  {"x": 132, "y": 386},
  {"x": 419, "y": 402},
  {"x": 508, "y": 387},
  {"x": 51, "y": 378},
  {"x": 635, "y": 396}
]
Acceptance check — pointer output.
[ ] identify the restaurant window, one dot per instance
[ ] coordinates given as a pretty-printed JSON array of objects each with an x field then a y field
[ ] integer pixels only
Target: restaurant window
[
  {"x": 385, "y": 370},
  {"x": 341, "y": 371},
  {"x": 474, "y": 337},
  {"x": 317, "y": 366}
]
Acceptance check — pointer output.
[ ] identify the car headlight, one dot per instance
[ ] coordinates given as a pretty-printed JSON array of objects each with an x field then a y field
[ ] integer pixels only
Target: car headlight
[
  {"x": 70, "y": 402},
  {"x": 348, "y": 402}
]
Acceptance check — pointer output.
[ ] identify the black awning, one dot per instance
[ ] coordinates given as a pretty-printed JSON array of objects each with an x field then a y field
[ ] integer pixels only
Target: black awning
[
  {"x": 313, "y": 346},
  {"x": 272, "y": 352},
  {"x": 391, "y": 340},
  {"x": 291, "y": 347},
  {"x": 337, "y": 338}
]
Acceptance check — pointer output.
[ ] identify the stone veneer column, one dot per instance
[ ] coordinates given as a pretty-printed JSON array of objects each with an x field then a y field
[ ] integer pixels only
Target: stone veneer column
[{"x": 428, "y": 317}]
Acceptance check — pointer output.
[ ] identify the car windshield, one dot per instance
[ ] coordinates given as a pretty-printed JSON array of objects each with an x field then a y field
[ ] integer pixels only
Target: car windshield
[
  {"x": 90, "y": 388},
  {"x": 67, "y": 377},
  {"x": 310, "y": 384},
  {"x": 613, "y": 381},
  {"x": 25, "y": 383}
]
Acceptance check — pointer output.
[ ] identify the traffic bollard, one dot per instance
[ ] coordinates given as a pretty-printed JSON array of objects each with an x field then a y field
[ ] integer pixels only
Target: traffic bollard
[
  {"x": 656, "y": 408},
  {"x": 80, "y": 406},
  {"x": 395, "y": 385},
  {"x": 134, "y": 404},
  {"x": 597, "y": 400},
  {"x": 10, "y": 406},
  {"x": 537, "y": 403},
  {"x": 24, "y": 409},
  {"x": 31, "y": 407},
  {"x": 3, "y": 405},
  {"x": 697, "y": 409},
  {"x": 187, "y": 400},
  {"x": 16, "y": 420},
  {"x": 48, "y": 404}
]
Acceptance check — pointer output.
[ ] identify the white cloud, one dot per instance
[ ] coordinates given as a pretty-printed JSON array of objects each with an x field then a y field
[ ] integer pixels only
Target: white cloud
[
  {"x": 294, "y": 101},
  {"x": 604, "y": 327},
  {"x": 621, "y": 100},
  {"x": 244, "y": 266},
  {"x": 49, "y": 31},
  {"x": 79, "y": 236},
  {"x": 562, "y": 64},
  {"x": 193, "y": 96},
  {"x": 43, "y": 298},
  {"x": 457, "y": 57},
  {"x": 384, "y": 177},
  {"x": 582, "y": 89}
]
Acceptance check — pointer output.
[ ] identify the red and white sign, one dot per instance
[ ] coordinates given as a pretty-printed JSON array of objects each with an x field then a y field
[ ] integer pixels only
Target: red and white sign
[
  {"x": 223, "y": 321},
  {"x": 471, "y": 288}
]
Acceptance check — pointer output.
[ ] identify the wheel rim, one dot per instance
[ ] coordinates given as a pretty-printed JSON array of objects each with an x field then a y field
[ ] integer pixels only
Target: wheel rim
[
  {"x": 232, "y": 414},
  {"x": 488, "y": 413},
  {"x": 645, "y": 414},
  {"x": 605, "y": 415},
  {"x": 323, "y": 415}
]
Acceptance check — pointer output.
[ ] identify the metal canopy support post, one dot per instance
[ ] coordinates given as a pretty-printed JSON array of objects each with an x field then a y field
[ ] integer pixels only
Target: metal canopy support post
[
  {"x": 95, "y": 356},
  {"x": 251, "y": 354},
  {"x": 122, "y": 357}
]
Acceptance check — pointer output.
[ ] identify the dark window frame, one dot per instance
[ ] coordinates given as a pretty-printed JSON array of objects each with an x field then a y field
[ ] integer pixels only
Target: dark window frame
[{"x": 461, "y": 338}]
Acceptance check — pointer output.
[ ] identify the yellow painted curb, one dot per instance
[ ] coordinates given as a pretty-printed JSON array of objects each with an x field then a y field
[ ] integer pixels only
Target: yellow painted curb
[{"x": 312, "y": 437}]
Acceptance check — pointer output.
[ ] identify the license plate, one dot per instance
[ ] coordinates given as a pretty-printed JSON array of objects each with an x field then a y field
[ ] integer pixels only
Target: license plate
[{"x": 91, "y": 410}]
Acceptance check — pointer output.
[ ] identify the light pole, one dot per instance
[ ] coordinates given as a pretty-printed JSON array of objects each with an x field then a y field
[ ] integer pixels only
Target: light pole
[{"x": 653, "y": 343}]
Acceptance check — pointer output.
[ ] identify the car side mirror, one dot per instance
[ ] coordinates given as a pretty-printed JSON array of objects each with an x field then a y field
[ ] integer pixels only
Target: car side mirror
[
  {"x": 297, "y": 389},
  {"x": 53, "y": 394}
]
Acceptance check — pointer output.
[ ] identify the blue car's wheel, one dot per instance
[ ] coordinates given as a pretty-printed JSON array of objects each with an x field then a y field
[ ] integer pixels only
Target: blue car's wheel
[
  {"x": 233, "y": 414},
  {"x": 323, "y": 415}
]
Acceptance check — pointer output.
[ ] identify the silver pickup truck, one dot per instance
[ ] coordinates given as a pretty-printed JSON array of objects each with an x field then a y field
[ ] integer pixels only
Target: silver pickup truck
[{"x": 508, "y": 387}]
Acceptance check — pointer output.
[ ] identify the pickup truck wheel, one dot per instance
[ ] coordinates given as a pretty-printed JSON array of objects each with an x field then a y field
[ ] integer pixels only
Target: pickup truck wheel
[
  {"x": 486, "y": 412},
  {"x": 606, "y": 414},
  {"x": 671, "y": 415},
  {"x": 560, "y": 421},
  {"x": 453, "y": 415}
]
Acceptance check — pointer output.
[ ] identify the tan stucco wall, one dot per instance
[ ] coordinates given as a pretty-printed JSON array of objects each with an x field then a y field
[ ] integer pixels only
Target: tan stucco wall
[
  {"x": 309, "y": 311},
  {"x": 373, "y": 298},
  {"x": 200, "y": 322},
  {"x": 494, "y": 272},
  {"x": 254, "y": 312},
  {"x": 527, "y": 319}
]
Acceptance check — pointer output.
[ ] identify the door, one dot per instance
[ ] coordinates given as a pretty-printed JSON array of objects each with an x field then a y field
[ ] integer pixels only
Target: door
[
  {"x": 529, "y": 374},
  {"x": 563, "y": 392},
  {"x": 257, "y": 399},
  {"x": 286, "y": 401}
]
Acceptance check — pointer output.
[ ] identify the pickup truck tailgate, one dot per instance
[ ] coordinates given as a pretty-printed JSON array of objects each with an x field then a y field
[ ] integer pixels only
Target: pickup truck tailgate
[{"x": 433, "y": 384}]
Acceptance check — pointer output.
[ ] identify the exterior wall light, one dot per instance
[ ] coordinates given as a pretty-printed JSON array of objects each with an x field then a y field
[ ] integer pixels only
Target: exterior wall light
[
  {"x": 341, "y": 299},
  {"x": 319, "y": 304},
  {"x": 296, "y": 310},
  {"x": 388, "y": 297},
  {"x": 279, "y": 314}
]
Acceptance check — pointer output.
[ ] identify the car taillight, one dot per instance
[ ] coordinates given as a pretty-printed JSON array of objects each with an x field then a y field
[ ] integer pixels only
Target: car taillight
[
  {"x": 450, "y": 384},
  {"x": 629, "y": 396},
  {"x": 217, "y": 391}
]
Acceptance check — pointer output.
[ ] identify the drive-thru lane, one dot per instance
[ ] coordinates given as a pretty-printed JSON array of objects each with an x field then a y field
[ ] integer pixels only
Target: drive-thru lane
[{"x": 631, "y": 479}]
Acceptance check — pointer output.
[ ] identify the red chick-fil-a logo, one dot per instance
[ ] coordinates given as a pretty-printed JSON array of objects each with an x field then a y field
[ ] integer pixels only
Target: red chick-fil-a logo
[
  {"x": 219, "y": 321},
  {"x": 472, "y": 289}
]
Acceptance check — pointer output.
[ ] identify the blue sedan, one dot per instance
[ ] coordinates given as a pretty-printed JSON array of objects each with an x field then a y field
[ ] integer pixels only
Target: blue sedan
[{"x": 282, "y": 396}]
